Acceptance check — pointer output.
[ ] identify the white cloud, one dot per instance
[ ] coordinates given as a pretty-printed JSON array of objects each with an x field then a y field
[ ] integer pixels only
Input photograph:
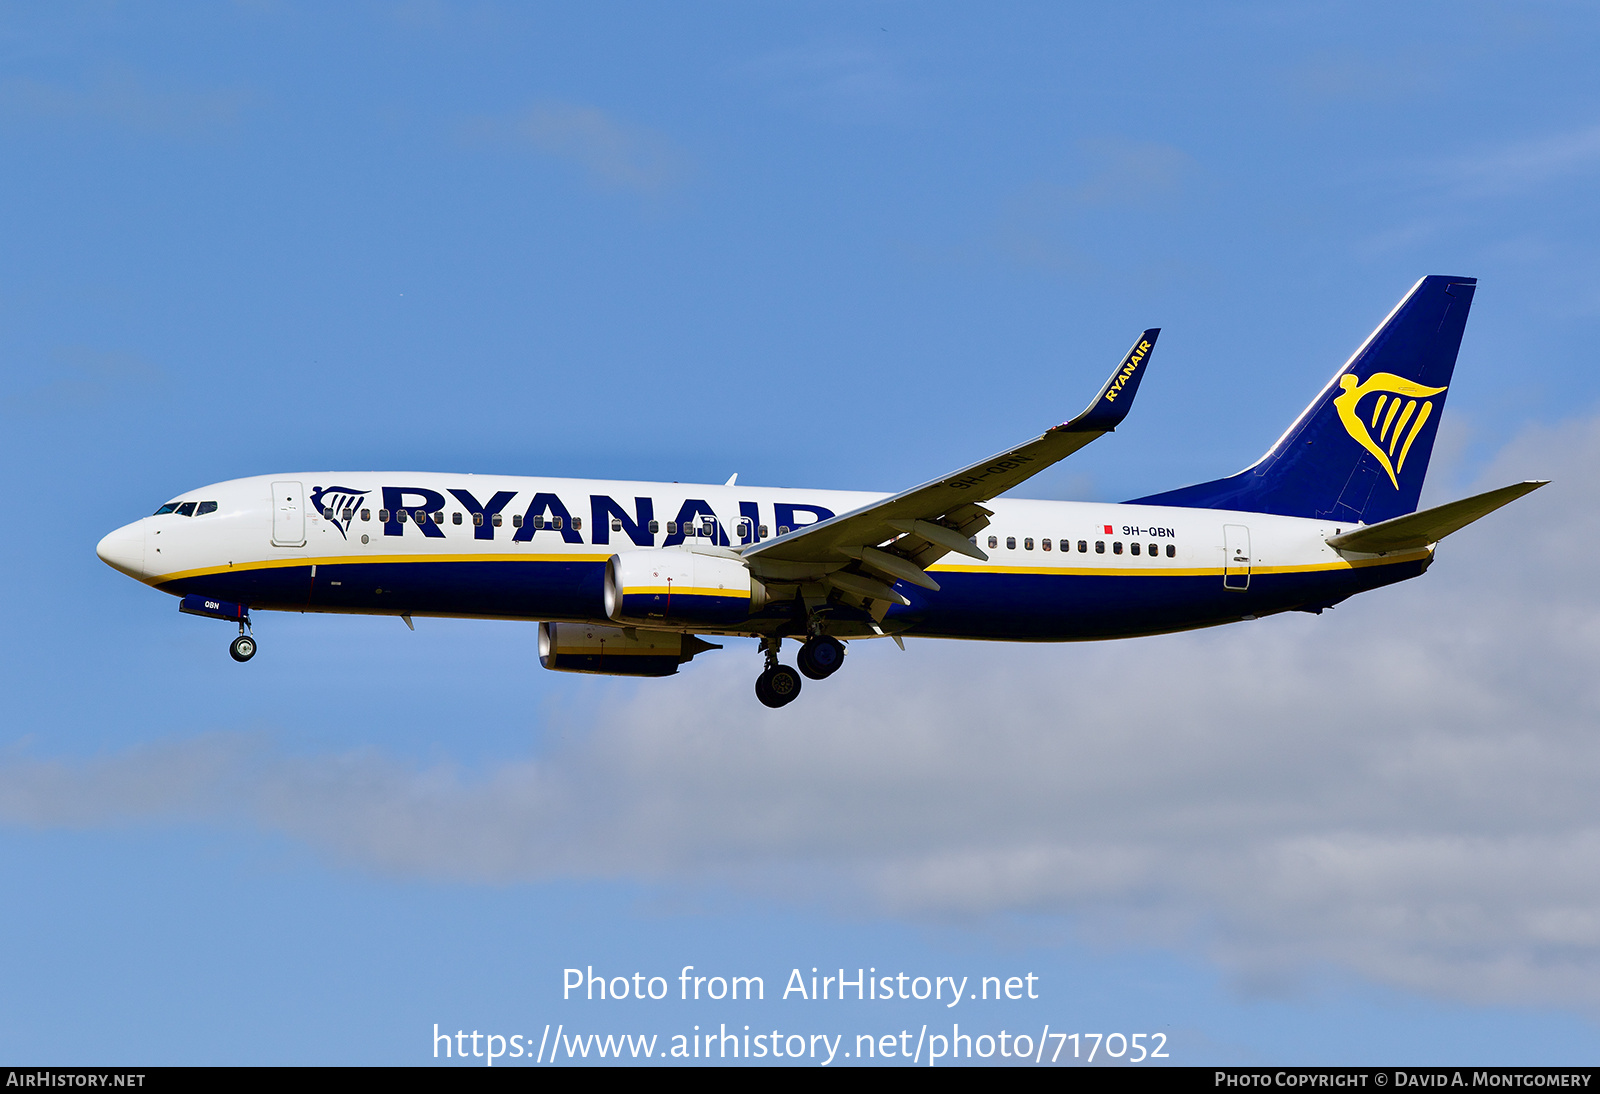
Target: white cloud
[
  {"x": 851, "y": 80},
  {"x": 1401, "y": 788},
  {"x": 78, "y": 377},
  {"x": 1525, "y": 164},
  {"x": 125, "y": 100},
  {"x": 615, "y": 154},
  {"x": 1039, "y": 226}
]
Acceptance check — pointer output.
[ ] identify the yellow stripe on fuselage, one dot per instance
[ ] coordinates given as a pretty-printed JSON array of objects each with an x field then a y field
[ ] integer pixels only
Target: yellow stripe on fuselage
[
  {"x": 1114, "y": 570},
  {"x": 1107, "y": 570}
]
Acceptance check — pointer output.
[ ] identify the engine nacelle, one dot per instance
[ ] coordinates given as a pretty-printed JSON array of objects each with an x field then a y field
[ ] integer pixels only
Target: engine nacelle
[
  {"x": 679, "y": 586},
  {"x": 611, "y": 651}
]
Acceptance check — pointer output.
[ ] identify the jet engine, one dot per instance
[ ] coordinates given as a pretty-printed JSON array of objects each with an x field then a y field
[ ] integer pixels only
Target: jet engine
[
  {"x": 674, "y": 585},
  {"x": 615, "y": 651}
]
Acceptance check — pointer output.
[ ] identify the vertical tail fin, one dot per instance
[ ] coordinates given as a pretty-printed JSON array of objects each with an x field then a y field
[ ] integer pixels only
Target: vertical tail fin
[{"x": 1359, "y": 452}]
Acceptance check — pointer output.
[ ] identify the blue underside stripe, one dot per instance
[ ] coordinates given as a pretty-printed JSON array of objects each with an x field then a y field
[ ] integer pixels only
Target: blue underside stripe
[{"x": 1041, "y": 607}]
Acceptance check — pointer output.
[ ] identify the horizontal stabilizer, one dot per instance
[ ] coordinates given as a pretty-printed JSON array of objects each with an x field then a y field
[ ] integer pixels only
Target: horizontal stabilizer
[{"x": 1431, "y": 525}]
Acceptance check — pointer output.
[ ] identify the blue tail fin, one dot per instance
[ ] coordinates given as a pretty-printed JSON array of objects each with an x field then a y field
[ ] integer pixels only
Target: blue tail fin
[{"x": 1360, "y": 450}]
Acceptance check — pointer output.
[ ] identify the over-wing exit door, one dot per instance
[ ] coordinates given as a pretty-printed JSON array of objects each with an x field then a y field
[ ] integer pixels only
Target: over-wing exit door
[{"x": 288, "y": 514}]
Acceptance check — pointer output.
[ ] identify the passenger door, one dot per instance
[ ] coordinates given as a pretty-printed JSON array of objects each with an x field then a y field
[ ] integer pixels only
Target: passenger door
[
  {"x": 288, "y": 514},
  {"x": 1236, "y": 557}
]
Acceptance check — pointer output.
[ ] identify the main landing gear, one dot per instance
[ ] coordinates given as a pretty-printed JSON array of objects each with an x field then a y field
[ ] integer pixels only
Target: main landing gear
[
  {"x": 779, "y": 685},
  {"x": 821, "y": 657},
  {"x": 243, "y": 648}
]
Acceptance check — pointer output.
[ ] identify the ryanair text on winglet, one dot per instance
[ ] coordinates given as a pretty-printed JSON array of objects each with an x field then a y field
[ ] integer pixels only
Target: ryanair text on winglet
[{"x": 1129, "y": 367}]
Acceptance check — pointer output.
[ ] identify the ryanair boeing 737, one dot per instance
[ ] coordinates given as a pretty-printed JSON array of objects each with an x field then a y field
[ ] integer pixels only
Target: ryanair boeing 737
[{"x": 625, "y": 578}]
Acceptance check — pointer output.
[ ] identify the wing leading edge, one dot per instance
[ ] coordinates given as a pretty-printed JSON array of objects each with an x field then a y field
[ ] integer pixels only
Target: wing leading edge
[{"x": 850, "y": 552}]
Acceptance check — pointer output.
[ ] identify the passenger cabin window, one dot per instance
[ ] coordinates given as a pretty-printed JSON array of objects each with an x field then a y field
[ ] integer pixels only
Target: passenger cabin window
[
  {"x": 383, "y": 515},
  {"x": 1099, "y": 546},
  {"x": 455, "y": 518},
  {"x": 616, "y": 525},
  {"x": 1045, "y": 544},
  {"x": 516, "y": 520},
  {"x": 498, "y": 520},
  {"x": 1011, "y": 543},
  {"x": 1172, "y": 550},
  {"x": 709, "y": 528},
  {"x": 1027, "y": 544},
  {"x": 1083, "y": 546},
  {"x": 205, "y": 508},
  {"x": 366, "y": 514},
  {"x": 348, "y": 513},
  {"x": 421, "y": 515},
  {"x": 672, "y": 527},
  {"x": 577, "y": 523},
  {"x": 783, "y": 529},
  {"x": 1133, "y": 548},
  {"x": 1154, "y": 550},
  {"x": 400, "y": 516},
  {"x": 655, "y": 526},
  {"x": 538, "y": 522},
  {"x": 993, "y": 542},
  {"x": 186, "y": 509},
  {"x": 761, "y": 531},
  {"x": 1116, "y": 547}
]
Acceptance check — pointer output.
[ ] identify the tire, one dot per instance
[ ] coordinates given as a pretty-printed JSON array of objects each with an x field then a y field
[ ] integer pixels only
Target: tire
[
  {"x": 778, "y": 686},
  {"x": 821, "y": 657},
  {"x": 764, "y": 693},
  {"x": 243, "y": 648}
]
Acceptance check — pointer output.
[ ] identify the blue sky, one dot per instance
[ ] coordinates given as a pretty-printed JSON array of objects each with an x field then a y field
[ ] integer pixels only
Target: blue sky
[{"x": 830, "y": 245}]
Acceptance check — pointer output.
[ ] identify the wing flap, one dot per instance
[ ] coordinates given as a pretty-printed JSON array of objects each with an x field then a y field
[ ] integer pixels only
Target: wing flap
[{"x": 1430, "y": 525}]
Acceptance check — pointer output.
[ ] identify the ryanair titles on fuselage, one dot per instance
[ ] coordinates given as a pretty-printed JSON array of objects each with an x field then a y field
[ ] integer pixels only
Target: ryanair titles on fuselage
[{"x": 498, "y": 512}]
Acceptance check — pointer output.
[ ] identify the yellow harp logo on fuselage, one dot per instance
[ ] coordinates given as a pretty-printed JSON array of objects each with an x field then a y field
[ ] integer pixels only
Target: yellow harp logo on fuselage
[{"x": 1401, "y": 403}]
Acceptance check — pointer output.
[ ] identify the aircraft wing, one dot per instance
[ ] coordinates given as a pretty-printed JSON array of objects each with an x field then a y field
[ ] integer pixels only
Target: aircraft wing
[
  {"x": 1431, "y": 525},
  {"x": 931, "y": 520}
]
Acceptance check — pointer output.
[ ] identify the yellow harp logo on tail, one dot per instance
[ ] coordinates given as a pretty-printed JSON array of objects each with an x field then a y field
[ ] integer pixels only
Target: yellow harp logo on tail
[{"x": 1397, "y": 405}]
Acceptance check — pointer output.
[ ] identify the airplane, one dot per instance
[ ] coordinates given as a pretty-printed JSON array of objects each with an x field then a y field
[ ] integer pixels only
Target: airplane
[{"x": 632, "y": 578}]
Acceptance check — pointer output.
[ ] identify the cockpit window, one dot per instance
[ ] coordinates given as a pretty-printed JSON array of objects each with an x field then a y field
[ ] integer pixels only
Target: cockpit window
[
  {"x": 186, "y": 509},
  {"x": 206, "y": 507},
  {"x": 170, "y": 507}
]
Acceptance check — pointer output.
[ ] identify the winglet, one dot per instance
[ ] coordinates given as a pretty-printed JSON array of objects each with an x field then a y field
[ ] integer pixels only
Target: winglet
[{"x": 1116, "y": 398}]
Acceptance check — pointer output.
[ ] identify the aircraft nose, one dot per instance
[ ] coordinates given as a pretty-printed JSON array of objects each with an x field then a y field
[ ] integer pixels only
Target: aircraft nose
[{"x": 123, "y": 550}]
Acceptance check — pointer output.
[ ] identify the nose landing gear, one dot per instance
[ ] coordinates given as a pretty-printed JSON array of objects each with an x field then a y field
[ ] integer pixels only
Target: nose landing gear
[{"x": 243, "y": 648}]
